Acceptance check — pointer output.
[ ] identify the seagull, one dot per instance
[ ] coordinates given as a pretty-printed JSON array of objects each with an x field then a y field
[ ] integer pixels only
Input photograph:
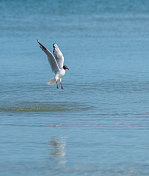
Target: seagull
[{"x": 56, "y": 61}]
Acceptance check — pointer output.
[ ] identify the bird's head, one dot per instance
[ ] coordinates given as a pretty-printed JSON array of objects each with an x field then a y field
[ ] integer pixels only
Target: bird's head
[{"x": 65, "y": 67}]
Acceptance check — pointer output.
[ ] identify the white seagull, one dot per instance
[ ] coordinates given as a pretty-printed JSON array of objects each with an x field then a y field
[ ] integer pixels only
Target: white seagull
[{"x": 56, "y": 61}]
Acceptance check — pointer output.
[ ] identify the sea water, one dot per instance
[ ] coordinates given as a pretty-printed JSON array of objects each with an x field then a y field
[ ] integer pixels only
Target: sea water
[{"x": 99, "y": 123}]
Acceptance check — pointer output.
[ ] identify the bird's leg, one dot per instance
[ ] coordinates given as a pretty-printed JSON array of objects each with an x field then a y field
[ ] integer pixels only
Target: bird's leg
[
  {"x": 61, "y": 84},
  {"x": 57, "y": 84}
]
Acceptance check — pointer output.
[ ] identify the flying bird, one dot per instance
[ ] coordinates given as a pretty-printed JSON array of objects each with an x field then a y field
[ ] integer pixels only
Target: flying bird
[{"x": 56, "y": 61}]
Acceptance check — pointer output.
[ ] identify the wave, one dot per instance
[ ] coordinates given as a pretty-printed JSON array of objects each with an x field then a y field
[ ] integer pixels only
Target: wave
[{"x": 42, "y": 107}]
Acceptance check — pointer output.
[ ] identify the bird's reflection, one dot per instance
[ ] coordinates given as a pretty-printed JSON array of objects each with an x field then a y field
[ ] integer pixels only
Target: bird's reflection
[{"x": 57, "y": 149}]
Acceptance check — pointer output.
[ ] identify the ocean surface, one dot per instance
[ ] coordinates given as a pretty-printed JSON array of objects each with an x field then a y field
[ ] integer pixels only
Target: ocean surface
[{"x": 98, "y": 125}]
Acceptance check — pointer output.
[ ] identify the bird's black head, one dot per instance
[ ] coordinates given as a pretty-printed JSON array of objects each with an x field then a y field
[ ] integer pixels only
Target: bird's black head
[{"x": 65, "y": 67}]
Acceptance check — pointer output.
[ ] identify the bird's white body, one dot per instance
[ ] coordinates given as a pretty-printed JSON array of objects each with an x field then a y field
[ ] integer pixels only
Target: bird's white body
[
  {"x": 56, "y": 61},
  {"x": 57, "y": 77},
  {"x": 60, "y": 74}
]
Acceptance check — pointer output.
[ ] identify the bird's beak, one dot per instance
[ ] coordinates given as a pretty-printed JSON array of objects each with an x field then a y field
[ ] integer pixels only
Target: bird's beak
[{"x": 67, "y": 68}]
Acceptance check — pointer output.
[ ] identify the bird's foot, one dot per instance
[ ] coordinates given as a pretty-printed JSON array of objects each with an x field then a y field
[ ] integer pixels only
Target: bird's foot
[{"x": 57, "y": 86}]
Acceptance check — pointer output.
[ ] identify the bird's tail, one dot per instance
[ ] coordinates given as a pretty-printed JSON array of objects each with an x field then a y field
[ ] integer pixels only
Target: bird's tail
[{"x": 52, "y": 81}]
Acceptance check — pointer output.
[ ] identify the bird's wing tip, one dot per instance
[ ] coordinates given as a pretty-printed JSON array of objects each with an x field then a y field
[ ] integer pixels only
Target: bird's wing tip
[{"x": 41, "y": 46}]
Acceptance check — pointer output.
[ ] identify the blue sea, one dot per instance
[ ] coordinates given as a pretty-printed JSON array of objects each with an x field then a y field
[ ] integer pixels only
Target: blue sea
[{"x": 98, "y": 125}]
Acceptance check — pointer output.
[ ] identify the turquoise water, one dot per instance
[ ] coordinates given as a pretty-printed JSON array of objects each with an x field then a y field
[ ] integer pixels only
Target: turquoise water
[{"x": 99, "y": 123}]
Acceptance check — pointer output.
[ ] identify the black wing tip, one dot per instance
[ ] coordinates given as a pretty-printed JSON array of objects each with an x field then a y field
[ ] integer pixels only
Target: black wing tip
[
  {"x": 41, "y": 46},
  {"x": 54, "y": 44},
  {"x": 38, "y": 41}
]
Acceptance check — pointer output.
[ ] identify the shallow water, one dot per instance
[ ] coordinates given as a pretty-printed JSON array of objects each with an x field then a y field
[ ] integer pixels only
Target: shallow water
[{"x": 97, "y": 125}]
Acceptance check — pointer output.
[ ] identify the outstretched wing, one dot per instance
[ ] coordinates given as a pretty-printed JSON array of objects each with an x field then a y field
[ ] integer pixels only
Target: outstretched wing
[
  {"x": 52, "y": 60},
  {"x": 58, "y": 55}
]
